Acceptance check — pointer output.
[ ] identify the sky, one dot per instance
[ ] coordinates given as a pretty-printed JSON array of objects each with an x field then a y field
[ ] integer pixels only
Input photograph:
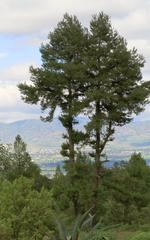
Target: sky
[{"x": 25, "y": 24}]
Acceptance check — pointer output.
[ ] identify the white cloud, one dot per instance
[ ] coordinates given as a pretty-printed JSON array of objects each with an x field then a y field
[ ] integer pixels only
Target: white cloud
[
  {"x": 12, "y": 108},
  {"x": 11, "y": 105},
  {"x": 142, "y": 45},
  {"x": 28, "y": 16},
  {"x": 15, "y": 73},
  {"x": 135, "y": 24},
  {"x": 9, "y": 96}
]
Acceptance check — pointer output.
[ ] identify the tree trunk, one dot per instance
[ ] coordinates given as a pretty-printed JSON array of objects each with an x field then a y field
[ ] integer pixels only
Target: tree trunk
[
  {"x": 70, "y": 129},
  {"x": 97, "y": 159},
  {"x": 97, "y": 156},
  {"x": 76, "y": 204},
  {"x": 71, "y": 143}
]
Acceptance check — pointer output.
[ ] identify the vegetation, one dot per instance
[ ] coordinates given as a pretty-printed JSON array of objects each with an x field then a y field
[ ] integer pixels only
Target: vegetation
[
  {"x": 33, "y": 208},
  {"x": 25, "y": 213},
  {"x": 89, "y": 72},
  {"x": 142, "y": 235}
]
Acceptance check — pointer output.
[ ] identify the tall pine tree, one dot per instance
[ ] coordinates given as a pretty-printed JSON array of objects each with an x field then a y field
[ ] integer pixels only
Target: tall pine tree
[
  {"x": 58, "y": 82},
  {"x": 115, "y": 91}
]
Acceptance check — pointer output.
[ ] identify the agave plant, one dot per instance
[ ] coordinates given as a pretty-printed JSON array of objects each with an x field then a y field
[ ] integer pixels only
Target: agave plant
[{"x": 83, "y": 222}]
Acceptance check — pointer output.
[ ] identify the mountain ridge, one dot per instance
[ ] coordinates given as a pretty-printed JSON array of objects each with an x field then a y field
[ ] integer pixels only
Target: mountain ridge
[{"x": 44, "y": 139}]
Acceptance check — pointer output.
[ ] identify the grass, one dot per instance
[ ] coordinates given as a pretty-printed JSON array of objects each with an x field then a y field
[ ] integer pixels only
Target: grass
[{"x": 123, "y": 233}]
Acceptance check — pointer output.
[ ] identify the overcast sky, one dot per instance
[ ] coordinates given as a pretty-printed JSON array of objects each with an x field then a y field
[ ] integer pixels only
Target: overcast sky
[{"x": 25, "y": 24}]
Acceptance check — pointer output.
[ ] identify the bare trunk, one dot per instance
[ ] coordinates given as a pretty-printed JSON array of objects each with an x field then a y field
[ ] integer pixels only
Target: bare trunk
[
  {"x": 97, "y": 158},
  {"x": 71, "y": 143},
  {"x": 76, "y": 204},
  {"x": 70, "y": 129}
]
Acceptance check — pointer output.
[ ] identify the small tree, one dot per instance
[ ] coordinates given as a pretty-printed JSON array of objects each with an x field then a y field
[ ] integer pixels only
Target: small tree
[
  {"x": 22, "y": 159},
  {"x": 22, "y": 164},
  {"x": 16, "y": 162},
  {"x": 137, "y": 166}
]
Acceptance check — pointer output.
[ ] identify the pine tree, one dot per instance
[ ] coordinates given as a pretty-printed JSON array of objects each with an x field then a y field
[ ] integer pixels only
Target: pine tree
[
  {"x": 21, "y": 162},
  {"x": 58, "y": 82},
  {"x": 22, "y": 158},
  {"x": 115, "y": 91}
]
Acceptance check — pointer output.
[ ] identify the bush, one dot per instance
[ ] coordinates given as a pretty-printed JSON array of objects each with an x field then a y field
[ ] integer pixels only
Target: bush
[{"x": 24, "y": 212}]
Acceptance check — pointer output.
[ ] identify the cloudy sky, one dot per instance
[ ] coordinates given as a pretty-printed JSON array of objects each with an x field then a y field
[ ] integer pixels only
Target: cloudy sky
[{"x": 25, "y": 24}]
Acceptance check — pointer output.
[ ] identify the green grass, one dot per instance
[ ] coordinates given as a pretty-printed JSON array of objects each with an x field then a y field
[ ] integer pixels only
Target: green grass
[
  {"x": 141, "y": 236},
  {"x": 130, "y": 234},
  {"x": 124, "y": 233}
]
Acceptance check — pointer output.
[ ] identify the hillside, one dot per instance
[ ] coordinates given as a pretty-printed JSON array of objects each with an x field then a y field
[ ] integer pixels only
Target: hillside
[{"x": 44, "y": 139}]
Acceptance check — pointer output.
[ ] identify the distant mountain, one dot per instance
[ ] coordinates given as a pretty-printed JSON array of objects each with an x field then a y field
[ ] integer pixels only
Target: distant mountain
[
  {"x": 44, "y": 139},
  {"x": 36, "y": 134}
]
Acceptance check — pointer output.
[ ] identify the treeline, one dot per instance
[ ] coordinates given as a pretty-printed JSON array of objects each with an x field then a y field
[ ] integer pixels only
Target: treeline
[{"x": 31, "y": 205}]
